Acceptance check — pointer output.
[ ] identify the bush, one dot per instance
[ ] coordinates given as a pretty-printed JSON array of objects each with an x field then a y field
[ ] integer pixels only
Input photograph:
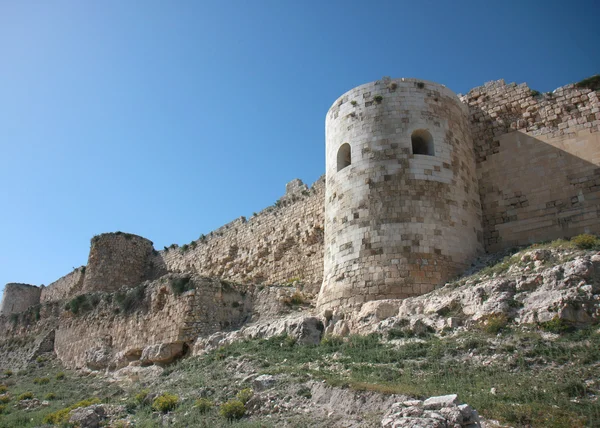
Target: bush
[
  {"x": 79, "y": 304},
  {"x": 60, "y": 376},
  {"x": 592, "y": 83},
  {"x": 245, "y": 395},
  {"x": 556, "y": 325},
  {"x": 3, "y": 389},
  {"x": 585, "y": 241},
  {"x": 8, "y": 373},
  {"x": 233, "y": 409},
  {"x": 50, "y": 396},
  {"x": 61, "y": 417},
  {"x": 2, "y": 408},
  {"x": 295, "y": 299},
  {"x": 492, "y": 324},
  {"x": 40, "y": 360},
  {"x": 181, "y": 285},
  {"x": 378, "y": 98},
  {"x": 4, "y": 398},
  {"x": 165, "y": 402},
  {"x": 26, "y": 396},
  {"x": 41, "y": 380},
  {"x": 130, "y": 299},
  {"x": 204, "y": 405},
  {"x": 141, "y": 396}
]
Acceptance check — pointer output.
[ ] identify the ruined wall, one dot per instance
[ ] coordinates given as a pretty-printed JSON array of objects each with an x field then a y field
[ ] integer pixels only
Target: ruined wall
[
  {"x": 398, "y": 221},
  {"x": 115, "y": 260},
  {"x": 163, "y": 318},
  {"x": 18, "y": 298},
  {"x": 67, "y": 286},
  {"x": 278, "y": 244},
  {"x": 538, "y": 158}
]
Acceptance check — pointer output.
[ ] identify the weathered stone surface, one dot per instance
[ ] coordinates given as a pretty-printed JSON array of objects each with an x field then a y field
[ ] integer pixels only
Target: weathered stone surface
[
  {"x": 435, "y": 412},
  {"x": 263, "y": 382},
  {"x": 98, "y": 358},
  {"x": 87, "y": 417},
  {"x": 161, "y": 353}
]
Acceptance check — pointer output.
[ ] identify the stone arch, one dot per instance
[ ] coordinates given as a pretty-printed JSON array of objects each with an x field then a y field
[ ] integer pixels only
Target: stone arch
[
  {"x": 344, "y": 156},
  {"x": 422, "y": 143}
]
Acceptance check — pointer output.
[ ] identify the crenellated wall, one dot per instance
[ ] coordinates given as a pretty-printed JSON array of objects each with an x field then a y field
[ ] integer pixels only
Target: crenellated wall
[
  {"x": 280, "y": 243},
  {"x": 538, "y": 162}
]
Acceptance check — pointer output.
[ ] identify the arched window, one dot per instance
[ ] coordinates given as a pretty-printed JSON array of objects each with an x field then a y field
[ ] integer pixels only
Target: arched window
[
  {"x": 422, "y": 142},
  {"x": 344, "y": 156}
]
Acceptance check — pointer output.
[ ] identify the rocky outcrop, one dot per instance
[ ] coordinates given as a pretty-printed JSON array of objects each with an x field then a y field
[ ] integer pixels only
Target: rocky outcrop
[
  {"x": 534, "y": 286},
  {"x": 435, "y": 412}
]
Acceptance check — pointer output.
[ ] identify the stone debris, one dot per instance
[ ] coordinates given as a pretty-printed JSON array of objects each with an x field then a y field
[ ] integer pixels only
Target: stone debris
[{"x": 435, "y": 412}]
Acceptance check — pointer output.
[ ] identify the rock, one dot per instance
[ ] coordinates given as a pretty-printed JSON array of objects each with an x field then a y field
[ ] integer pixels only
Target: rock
[
  {"x": 440, "y": 401},
  {"x": 435, "y": 412},
  {"x": 87, "y": 417},
  {"x": 307, "y": 330},
  {"x": 124, "y": 358},
  {"x": 98, "y": 358},
  {"x": 263, "y": 382},
  {"x": 161, "y": 353}
]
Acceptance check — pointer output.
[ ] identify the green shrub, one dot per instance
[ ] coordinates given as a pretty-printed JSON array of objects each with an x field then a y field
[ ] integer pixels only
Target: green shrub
[
  {"x": 181, "y": 285},
  {"x": 141, "y": 396},
  {"x": 245, "y": 395},
  {"x": 26, "y": 396},
  {"x": 41, "y": 380},
  {"x": 60, "y": 376},
  {"x": 2, "y": 408},
  {"x": 40, "y": 359},
  {"x": 556, "y": 325},
  {"x": 204, "y": 405},
  {"x": 50, "y": 396},
  {"x": 492, "y": 324},
  {"x": 3, "y": 388},
  {"x": 4, "y": 398},
  {"x": 378, "y": 98},
  {"x": 165, "y": 402},
  {"x": 61, "y": 417},
  {"x": 79, "y": 304},
  {"x": 534, "y": 93},
  {"x": 232, "y": 409},
  {"x": 592, "y": 83},
  {"x": 353, "y": 102},
  {"x": 586, "y": 241},
  {"x": 295, "y": 299},
  {"x": 128, "y": 300}
]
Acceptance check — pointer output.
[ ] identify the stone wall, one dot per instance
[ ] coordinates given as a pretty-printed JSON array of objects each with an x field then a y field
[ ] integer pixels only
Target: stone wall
[
  {"x": 399, "y": 218},
  {"x": 116, "y": 260},
  {"x": 163, "y": 318},
  {"x": 18, "y": 298},
  {"x": 67, "y": 286},
  {"x": 279, "y": 244},
  {"x": 538, "y": 158}
]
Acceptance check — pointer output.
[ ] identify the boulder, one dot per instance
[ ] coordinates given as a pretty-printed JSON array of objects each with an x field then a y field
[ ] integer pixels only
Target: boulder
[
  {"x": 98, "y": 358},
  {"x": 435, "y": 412},
  {"x": 161, "y": 353},
  {"x": 87, "y": 417}
]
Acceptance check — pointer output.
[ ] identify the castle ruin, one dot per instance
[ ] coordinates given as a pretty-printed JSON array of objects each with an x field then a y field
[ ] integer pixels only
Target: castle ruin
[{"x": 418, "y": 182}]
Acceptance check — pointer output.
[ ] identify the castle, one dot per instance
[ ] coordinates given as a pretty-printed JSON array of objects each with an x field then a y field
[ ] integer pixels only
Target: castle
[{"x": 418, "y": 182}]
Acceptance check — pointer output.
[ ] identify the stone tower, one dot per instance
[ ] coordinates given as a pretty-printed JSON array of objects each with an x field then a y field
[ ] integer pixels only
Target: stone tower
[
  {"x": 402, "y": 210},
  {"x": 19, "y": 297},
  {"x": 116, "y": 260}
]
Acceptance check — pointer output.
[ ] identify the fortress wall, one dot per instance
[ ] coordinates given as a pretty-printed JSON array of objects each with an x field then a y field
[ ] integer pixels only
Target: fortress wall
[
  {"x": 397, "y": 222},
  {"x": 65, "y": 287},
  {"x": 164, "y": 318},
  {"x": 116, "y": 259},
  {"x": 18, "y": 298},
  {"x": 278, "y": 244},
  {"x": 538, "y": 162}
]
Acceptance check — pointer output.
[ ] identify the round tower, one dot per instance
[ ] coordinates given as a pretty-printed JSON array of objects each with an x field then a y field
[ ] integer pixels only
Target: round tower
[
  {"x": 402, "y": 210},
  {"x": 116, "y": 260},
  {"x": 19, "y": 297}
]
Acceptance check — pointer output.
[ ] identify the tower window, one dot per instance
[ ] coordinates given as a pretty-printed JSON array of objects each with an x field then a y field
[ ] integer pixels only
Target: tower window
[
  {"x": 422, "y": 142},
  {"x": 344, "y": 157}
]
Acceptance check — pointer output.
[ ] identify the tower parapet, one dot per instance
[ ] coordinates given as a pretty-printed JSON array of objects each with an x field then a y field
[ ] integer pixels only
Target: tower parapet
[
  {"x": 19, "y": 297},
  {"x": 116, "y": 260},
  {"x": 402, "y": 209}
]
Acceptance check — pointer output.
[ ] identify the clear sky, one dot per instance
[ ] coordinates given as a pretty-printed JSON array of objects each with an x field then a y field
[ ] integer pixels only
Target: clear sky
[{"x": 168, "y": 119}]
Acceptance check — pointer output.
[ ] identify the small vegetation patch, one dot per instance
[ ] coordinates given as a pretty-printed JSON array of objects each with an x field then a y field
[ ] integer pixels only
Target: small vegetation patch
[
  {"x": 556, "y": 325},
  {"x": 165, "y": 402},
  {"x": 245, "y": 395},
  {"x": 181, "y": 285},
  {"x": 4, "y": 398},
  {"x": 592, "y": 83},
  {"x": 41, "y": 380},
  {"x": 204, "y": 405},
  {"x": 232, "y": 409},
  {"x": 378, "y": 98},
  {"x": 493, "y": 324},
  {"x": 129, "y": 300},
  {"x": 61, "y": 417},
  {"x": 586, "y": 242},
  {"x": 295, "y": 299},
  {"x": 26, "y": 396}
]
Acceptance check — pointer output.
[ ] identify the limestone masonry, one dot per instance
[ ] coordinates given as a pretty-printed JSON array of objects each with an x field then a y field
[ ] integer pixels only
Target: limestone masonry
[{"x": 418, "y": 183}]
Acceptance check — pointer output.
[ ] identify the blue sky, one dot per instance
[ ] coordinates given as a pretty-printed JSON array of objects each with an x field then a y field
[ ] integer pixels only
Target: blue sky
[{"x": 169, "y": 119}]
